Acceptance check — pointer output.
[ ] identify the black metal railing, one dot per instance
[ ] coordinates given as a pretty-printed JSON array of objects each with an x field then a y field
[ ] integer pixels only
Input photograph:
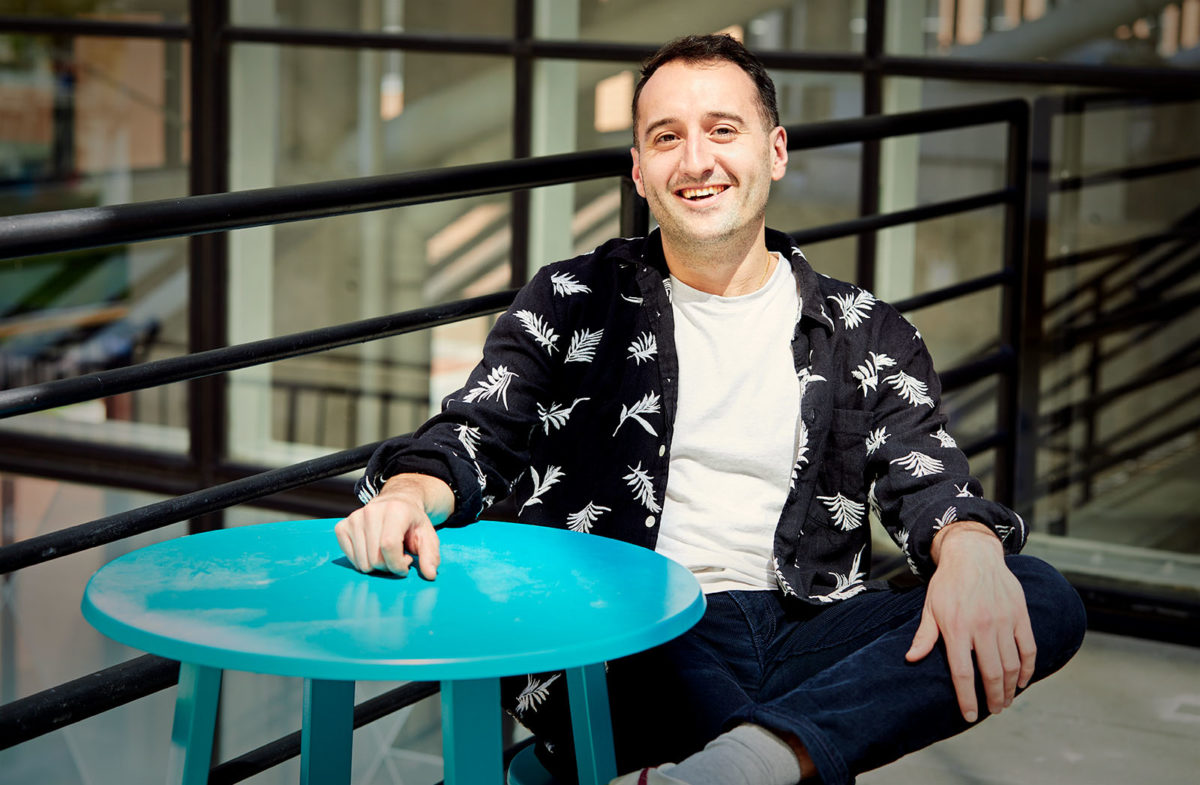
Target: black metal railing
[
  {"x": 1128, "y": 294},
  {"x": 91, "y": 227}
]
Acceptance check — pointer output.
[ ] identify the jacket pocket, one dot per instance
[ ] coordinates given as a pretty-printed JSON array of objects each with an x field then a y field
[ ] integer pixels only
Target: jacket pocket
[{"x": 841, "y": 496}]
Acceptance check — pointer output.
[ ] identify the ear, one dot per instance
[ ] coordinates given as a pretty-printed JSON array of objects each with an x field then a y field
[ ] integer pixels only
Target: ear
[
  {"x": 636, "y": 174},
  {"x": 779, "y": 152}
]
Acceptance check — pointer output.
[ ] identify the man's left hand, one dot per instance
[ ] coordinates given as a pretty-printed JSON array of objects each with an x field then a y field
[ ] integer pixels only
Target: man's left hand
[{"x": 975, "y": 603}]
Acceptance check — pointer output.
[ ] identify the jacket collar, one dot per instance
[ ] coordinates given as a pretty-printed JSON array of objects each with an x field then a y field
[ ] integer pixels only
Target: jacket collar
[{"x": 649, "y": 252}]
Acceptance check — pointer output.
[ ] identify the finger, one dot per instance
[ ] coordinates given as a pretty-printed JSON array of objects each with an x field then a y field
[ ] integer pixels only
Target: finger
[
  {"x": 424, "y": 543},
  {"x": 962, "y": 675},
  {"x": 342, "y": 532},
  {"x": 1028, "y": 649},
  {"x": 358, "y": 539},
  {"x": 925, "y": 638},
  {"x": 391, "y": 548},
  {"x": 372, "y": 532},
  {"x": 1010, "y": 660},
  {"x": 991, "y": 673}
]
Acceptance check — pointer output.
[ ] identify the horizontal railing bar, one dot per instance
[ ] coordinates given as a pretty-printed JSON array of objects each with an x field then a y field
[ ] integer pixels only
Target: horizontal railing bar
[
  {"x": 49, "y": 395},
  {"x": 1097, "y": 460},
  {"x": 984, "y": 443},
  {"x": 52, "y": 545},
  {"x": 442, "y": 43},
  {"x": 1003, "y": 360},
  {"x": 927, "y": 299},
  {"x": 273, "y": 753},
  {"x": 926, "y": 212},
  {"x": 1138, "y": 79},
  {"x": 1078, "y": 182},
  {"x": 10, "y": 23},
  {"x": 1125, "y": 317},
  {"x": 1127, "y": 248},
  {"x": 87, "y": 696},
  {"x": 90, "y": 227}
]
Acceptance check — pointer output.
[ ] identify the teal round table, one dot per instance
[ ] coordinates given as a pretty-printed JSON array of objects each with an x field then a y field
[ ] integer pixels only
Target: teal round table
[{"x": 281, "y": 598}]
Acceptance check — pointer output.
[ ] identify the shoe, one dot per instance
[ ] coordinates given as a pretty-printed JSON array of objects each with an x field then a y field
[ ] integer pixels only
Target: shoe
[{"x": 649, "y": 776}]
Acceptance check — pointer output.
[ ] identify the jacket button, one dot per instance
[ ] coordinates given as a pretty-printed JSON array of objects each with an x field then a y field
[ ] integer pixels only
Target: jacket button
[
  {"x": 662, "y": 450},
  {"x": 649, "y": 521}
]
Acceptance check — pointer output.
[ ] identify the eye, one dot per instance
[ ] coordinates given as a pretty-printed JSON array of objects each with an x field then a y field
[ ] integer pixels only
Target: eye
[
  {"x": 665, "y": 138},
  {"x": 724, "y": 132}
]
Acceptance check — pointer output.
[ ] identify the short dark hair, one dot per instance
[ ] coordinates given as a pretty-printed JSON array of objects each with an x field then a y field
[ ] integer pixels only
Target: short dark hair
[{"x": 707, "y": 48}]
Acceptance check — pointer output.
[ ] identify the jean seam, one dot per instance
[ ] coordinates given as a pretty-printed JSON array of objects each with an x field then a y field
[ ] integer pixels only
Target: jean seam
[{"x": 759, "y": 654}]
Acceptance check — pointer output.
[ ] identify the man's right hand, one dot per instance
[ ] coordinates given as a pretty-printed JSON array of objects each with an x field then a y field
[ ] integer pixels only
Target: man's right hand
[{"x": 386, "y": 532}]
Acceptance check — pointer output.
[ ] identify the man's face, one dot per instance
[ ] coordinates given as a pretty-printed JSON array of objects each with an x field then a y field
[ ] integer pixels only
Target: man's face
[{"x": 704, "y": 158}]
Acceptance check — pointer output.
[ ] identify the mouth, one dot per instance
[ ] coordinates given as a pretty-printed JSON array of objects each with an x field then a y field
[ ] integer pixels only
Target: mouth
[{"x": 700, "y": 193}]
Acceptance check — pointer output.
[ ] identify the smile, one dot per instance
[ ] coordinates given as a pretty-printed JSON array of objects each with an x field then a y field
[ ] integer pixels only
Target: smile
[{"x": 701, "y": 193}]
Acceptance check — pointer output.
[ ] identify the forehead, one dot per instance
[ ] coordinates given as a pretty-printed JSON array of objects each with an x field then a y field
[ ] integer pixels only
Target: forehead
[{"x": 681, "y": 90}]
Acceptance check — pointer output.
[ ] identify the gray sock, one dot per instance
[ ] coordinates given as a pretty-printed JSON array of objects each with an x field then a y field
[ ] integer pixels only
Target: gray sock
[{"x": 747, "y": 755}]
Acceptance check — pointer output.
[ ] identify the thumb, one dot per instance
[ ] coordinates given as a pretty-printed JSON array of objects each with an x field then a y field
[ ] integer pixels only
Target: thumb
[{"x": 924, "y": 640}]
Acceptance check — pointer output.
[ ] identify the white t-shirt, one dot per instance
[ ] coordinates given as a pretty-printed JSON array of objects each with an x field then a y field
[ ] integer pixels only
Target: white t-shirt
[{"x": 735, "y": 431}]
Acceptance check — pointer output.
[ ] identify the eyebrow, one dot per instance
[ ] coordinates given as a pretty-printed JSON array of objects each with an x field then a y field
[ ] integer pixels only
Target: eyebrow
[{"x": 708, "y": 116}]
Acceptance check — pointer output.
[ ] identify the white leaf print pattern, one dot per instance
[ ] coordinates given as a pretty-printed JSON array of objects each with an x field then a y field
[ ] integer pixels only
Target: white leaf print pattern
[
  {"x": 556, "y": 416},
  {"x": 642, "y": 484},
  {"x": 667, "y": 287},
  {"x": 873, "y": 502},
  {"x": 944, "y": 439},
  {"x": 901, "y": 538},
  {"x": 565, "y": 284},
  {"x": 847, "y": 585},
  {"x": 868, "y": 373},
  {"x": 1003, "y": 531},
  {"x": 783, "y": 584},
  {"x": 801, "y": 453},
  {"x": 496, "y": 385},
  {"x": 469, "y": 438},
  {"x": 876, "y": 439},
  {"x": 855, "y": 307},
  {"x": 534, "y": 693},
  {"x": 541, "y": 331},
  {"x": 948, "y": 517},
  {"x": 910, "y": 388},
  {"x": 647, "y": 405},
  {"x": 542, "y": 484},
  {"x": 644, "y": 347},
  {"x": 847, "y": 513},
  {"x": 583, "y": 346},
  {"x": 583, "y": 520},
  {"x": 963, "y": 490},
  {"x": 919, "y": 464},
  {"x": 634, "y": 300}
]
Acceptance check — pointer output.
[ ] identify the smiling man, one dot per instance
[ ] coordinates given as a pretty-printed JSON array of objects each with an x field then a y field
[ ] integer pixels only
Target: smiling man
[{"x": 703, "y": 392}]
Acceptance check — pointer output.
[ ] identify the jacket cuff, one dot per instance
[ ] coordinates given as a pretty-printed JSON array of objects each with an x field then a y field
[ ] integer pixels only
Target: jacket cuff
[{"x": 1006, "y": 524}]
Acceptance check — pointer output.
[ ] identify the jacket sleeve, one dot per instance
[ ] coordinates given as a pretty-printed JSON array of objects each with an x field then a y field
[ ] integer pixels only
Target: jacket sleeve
[
  {"x": 479, "y": 443},
  {"x": 919, "y": 478}
]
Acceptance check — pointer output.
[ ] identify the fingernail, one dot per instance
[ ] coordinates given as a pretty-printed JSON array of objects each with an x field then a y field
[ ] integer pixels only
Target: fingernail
[{"x": 971, "y": 716}]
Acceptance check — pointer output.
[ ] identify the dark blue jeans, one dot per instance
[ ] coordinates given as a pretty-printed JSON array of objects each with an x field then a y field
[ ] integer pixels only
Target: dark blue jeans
[{"x": 833, "y": 676}]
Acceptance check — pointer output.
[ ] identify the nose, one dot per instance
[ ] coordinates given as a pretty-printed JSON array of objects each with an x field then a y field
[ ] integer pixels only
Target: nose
[{"x": 697, "y": 161}]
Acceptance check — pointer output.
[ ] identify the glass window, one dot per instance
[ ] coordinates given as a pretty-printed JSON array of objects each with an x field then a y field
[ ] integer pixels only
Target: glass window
[
  {"x": 1074, "y": 32},
  {"x": 110, "y": 10},
  {"x": 764, "y": 25},
  {"x": 460, "y": 17},
  {"x": 87, "y": 122}
]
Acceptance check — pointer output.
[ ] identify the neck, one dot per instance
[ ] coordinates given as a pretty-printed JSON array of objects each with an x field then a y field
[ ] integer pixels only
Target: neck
[{"x": 735, "y": 267}]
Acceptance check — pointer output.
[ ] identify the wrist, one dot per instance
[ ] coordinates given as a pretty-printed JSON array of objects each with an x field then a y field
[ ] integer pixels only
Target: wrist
[
  {"x": 431, "y": 494},
  {"x": 960, "y": 531}
]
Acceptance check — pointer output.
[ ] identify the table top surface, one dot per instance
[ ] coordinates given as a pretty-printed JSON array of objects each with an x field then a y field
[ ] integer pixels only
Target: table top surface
[{"x": 281, "y": 598}]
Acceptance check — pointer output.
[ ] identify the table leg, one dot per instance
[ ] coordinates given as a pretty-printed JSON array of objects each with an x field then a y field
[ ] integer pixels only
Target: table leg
[
  {"x": 192, "y": 730},
  {"x": 592, "y": 723},
  {"x": 327, "y": 736},
  {"x": 471, "y": 743}
]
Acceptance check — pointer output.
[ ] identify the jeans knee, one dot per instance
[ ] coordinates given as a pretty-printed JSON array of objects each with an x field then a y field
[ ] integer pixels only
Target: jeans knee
[{"x": 1055, "y": 611}]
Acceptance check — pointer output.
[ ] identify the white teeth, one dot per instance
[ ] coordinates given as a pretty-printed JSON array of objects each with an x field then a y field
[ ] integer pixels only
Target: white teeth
[{"x": 696, "y": 193}]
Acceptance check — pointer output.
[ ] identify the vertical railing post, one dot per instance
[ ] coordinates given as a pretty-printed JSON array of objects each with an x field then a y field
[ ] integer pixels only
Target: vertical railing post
[{"x": 1030, "y": 349}]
